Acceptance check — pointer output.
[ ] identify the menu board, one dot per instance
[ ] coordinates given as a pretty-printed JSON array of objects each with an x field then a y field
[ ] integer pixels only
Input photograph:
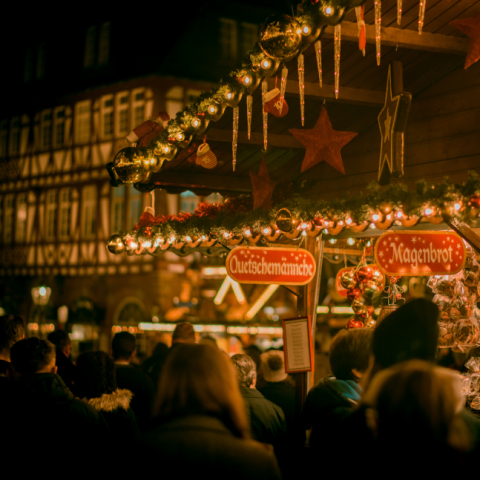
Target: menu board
[{"x": 297, "y": 340}]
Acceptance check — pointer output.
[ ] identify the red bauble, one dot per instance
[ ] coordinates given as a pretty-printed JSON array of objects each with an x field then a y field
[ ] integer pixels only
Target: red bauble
[
  {"x": 475, "y": 201},
  {"x": 353, "y": 293},
  {"x": 354, "y": 323},
  {"x": 364, "y": 274}
]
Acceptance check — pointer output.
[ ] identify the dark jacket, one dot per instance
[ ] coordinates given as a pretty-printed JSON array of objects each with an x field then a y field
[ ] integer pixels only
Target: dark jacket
[
  {"x": 141, "y": 385},
  {"x": 327, "y": 403},
  {"x": 267, "y": 420},
  {"x": 66, "y": 369},
  {"x": 115, "y": 409},
  {"x": 201, "y": 445},
  {"x": 6, "y": 385}
]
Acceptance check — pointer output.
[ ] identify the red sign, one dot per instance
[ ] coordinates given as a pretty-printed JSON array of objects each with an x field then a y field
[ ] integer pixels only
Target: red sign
[
  {"x": 280, "y": 266},
  {"x": 421, "y": 253},
  {"x": 338, "y": 286}
]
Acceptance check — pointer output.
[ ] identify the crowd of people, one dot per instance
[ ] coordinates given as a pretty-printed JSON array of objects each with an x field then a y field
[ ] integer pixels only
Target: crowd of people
[{"x": 193, "y": 410}]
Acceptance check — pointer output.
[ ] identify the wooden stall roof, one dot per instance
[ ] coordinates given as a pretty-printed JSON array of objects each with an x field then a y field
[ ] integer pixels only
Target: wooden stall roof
[{"x": 443, "y": 127}]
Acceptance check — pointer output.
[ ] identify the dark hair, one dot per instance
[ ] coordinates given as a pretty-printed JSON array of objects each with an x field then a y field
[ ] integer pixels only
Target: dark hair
[
  {"x": 95, "y": 375},
  {"x": 255, "y": 354},
  {"x": 199, "y": 379},
  {"x": 31, "y": 355},
  {"x": 247, "y": 370},
  {"x": 123, "y": 345},
  {"x": 60, "y": 339},
  {"x": 12, "y": 329},
  {"x": 209, "y": 340},
  {"x": 350, "y": 349},
  {"x": 184, "y": 332}
]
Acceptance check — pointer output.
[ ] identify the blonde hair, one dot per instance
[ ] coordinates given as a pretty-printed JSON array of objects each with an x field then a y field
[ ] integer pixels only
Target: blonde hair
[{"x": 199, "y": 379}]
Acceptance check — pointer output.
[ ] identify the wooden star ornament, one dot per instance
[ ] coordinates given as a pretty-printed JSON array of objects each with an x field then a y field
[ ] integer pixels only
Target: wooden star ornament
[
  {"x": 471, "y": 28},
  {"x": 262, "y": 187},
  {"x": 323, "y": 143}
]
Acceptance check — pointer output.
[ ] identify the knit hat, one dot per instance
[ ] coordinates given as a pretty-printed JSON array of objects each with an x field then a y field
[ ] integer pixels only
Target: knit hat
[
  {"x": 407, "y": 333},
  {"x": 273, "y": 366}
]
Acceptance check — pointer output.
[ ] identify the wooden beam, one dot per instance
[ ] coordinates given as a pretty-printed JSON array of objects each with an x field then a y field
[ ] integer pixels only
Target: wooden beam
[
  {"x": 349, "y": 95},
  {"x": 256, "y": 138},
  {"x": 400, "y": 37}
]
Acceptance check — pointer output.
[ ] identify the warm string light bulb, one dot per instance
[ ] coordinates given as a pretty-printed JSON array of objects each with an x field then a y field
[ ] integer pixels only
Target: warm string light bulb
[
  {"x": 247, "y": 232},
  {"x": 351, "y": 241},
  {"x": 457, "y": 206},
  {"x": 166, "y": 149},
  {"x": 212, "y": 109},
  {"x": 266, "y": 63},
  {"x": 318, "y": 51},
  {"x": 195, "y": 123},
  {"x": 338, "y": 44},
  {"x": 328, "y": 11},
  {"x": 378, "y": 28},
  {"x": 348, "y": 221},
  {"x": 267, "y": 231},
  {"x": 228, "y": 95},
  {"x": 180, "y": 137},
  {"x": 247, "y": 80},
  {"x": 147, "y": 244},
  {"x": 306, "y": 30}
]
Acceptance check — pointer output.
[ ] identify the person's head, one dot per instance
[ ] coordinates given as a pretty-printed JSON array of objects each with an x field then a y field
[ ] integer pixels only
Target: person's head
[
  {"x": 95, "y": 375},
  {"x": 350, "y": 353},
  {"x": 198, "y": 379},
  {"x": 33, "y": 355},
  {"x": 254, "y": 353},
  {"x": 208, "y": 340},
  {"x": 184, "y": 333},
  {"x": 61, "y": 340},
  {"x": 160, "y": 349},
  {"x": 123, "y": 346},
  {"x": 273, "y": 366},
  {"x": 410, "y": 332},
  {"x": 246, "y": 368},
  {"x": 12, "y": 329}
]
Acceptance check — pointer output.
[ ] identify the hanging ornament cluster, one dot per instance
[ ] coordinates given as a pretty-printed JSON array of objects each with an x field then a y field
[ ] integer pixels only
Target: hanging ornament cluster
[
  {"x": 472, "y": 383},
  {"x": 393, "y": 300},
  {"x": 456, "y": 296},
  {"x": 364, "y": 286}
]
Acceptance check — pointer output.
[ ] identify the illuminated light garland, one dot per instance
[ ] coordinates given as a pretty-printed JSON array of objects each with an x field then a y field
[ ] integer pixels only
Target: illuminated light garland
[
  {"x": 342, "y": 310},
  {"x": 269, "y": 291},
  {"x": 323, "y": 309},
  {"x": 214, "y": 271},
  {"x": 318, "y": 51},
  {"x": 222, "y": 291}
]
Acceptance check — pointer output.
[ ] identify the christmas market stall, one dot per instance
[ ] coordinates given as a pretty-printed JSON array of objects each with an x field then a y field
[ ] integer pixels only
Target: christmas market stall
[{"x": 308, "y": 139}]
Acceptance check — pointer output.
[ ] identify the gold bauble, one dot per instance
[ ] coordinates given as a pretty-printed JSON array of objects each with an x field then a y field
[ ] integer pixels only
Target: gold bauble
[
  {"x": 129, "y": 165},
  {"x": 115, "y": 244},
  {"x": 280, "y": 37},
  {"x": 283, "y": 219}
]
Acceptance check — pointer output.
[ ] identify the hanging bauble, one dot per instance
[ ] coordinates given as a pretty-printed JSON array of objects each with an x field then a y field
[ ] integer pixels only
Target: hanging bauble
[
  {"x": 370, "y": 323},
  {"x": 377, "y": 277},
  {"x": 280, "y": 37},
  {"x": 264, "y": 65},
  {"x": 347, "y": 280},
  {"x": 360, "y": 307},
  {"x": 354, "y": 323},
  {"x": 274, "y": 104},
  {"x": 475, "y": 201},
  {"x": 129, "y": 165},
  {"x": 115, "y": 244},
  {"x": 284, "y": 220},
  {"x": 353, "y": 293},
  {"x": 371, "y": 290},
  {"x": 385, "y": 208},
  {"x": 364, "y": 273},
  {"x": 205, "y": 157}
]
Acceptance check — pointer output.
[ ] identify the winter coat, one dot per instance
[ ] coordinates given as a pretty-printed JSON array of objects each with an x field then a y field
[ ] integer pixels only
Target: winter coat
[
  {"x": 66, "y": 369},
  {"x": 141, "y": 385},
  {"x": 115, "y": 409},
  {"x": 267, "y": 420},
  {"x": 327, "y": 403},
  {"x": 200, "y": 445}
]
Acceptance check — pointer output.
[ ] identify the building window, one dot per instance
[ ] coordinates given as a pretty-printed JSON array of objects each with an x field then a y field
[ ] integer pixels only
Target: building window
[
  {"x": 3, "y": 138},
  {"x": 59, "y": 127},
  {"x": 213, "y": 198},
  {"x": 65, "y": 213},
  {"x": 228, "y": 39},
  {"x": 89, "y": 59},
  {"x": 106, "y": 113},
  {"x": 50, "y": 211},
  {"x": 188, "y": 201},
  {"x": 46, "y": 129},
  {"x": 138, "y": 107},
  {"x": 41, "y": 53},
  {"x": 135, "y": 207},
  {"x": 104, "y": 43},
  {"x": 15, "y": 136},
  {"x": 89, "y": 207},
  {"x": 21, "y": 226},
  {"x": 248, "y": 36},
  {"x": 82, "y": 122},
  {"x": 174, "y": 100},
  {"x": 28, "y": 67},
  {"x": 122, "y": 114},
  {"x": 8, "y": 210},
  {"x": 119, "y": 209}
]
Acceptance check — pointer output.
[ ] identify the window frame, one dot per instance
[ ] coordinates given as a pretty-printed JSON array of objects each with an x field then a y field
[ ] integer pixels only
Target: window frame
[
  {"x": 104, "y": 43},
  {"x": 89, "y": 210},
  {"x": 229, "y": 48},
  {"x": 64, "y": 205},
  {"x": 21, "y": 232},
  {"x": 118, "y": 201},
  {"x": 50, "y": 214},
  {"x": 103, "y": 112},
  {"x": 46, "y": 124},
  {"x": 56, "y": 123},
  {"x": 137, "y": 103},
  {"x": 119, "y": 109},
  {"x": 78, "y": 118},
  {"x": 8, "y": 218}
]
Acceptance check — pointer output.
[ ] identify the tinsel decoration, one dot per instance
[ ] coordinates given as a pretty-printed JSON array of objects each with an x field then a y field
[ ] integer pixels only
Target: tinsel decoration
[
  {"x": 338, "y": 44},
  {"x": 235, "y": 136},
  {"x": 265, "y": 115},
  {"x": 283, "y": 84},
  {"x": 399, "y": 11},
  {"x": 421, "y": 15},
  {"x": 378, "y": 28},
  {"x": 359, "y": 11},
  {"x": 249, "y": 114},
  {"x": 301, "y": 85},
  {"x": 318, "y": 51}
]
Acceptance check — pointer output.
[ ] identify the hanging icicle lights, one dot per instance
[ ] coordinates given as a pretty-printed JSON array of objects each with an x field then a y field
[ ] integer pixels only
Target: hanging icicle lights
[
  {"x": 338, "y": 44},
  {"x": 378, "y": 29}
]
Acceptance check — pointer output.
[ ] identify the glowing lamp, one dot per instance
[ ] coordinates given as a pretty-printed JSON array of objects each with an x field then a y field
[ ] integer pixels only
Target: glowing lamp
[
  {"x": 152, "y": 161},
  {"x": 266, "y": 63},
  {"x": 213, "y": 109},
  {"x": 180, "y": 137},
  {"x": 147, "y": 244},
  {"x": 203, "y": 238},
  {"x": 166, "y": 149},
  {"x": 247, "y": 80},
  {"x": 42, "y": 291},
  {"x": 429, "y": 211},
  {"x": 188, "y": 239},
  {"x": 171, "y": 239},
  {"x": 306, "y": 30},
  {"x": 457, "y": 206},
  {"x": 351, "y": 241},
  {"x": 399, "y": 214},
  {"x": 133, "y": 245},
  {"x": 267, "y": 231},
  {"x": 248, "y": 232},
  {"x": 375, "y": 217},
  {"x": 328, "y": 11},
  {"x": 226, "y": 235},
  {"x": 229, "y": 95},
  {"x": 196, "y": 123},
  {"x": 348, "y": 221},
  {"x": 333, "y": 241}
]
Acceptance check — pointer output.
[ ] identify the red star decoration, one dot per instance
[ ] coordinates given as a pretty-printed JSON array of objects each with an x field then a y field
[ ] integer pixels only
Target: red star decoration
[
  {"x": 323, "y": 143},
  {"x": 471, "y": 28},
  {"x": 262, "y": 187}
]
